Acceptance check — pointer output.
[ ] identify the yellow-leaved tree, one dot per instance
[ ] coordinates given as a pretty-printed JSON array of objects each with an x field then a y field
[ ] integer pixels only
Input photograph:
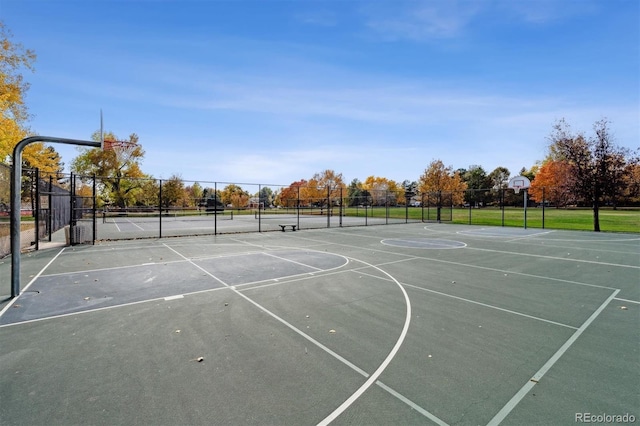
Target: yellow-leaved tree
[
  {"x": 117, "y": 168},
  {"x": 383, "y": 191},
  {"x": 441, "y": 180},
  {"x": 14, "y": 115}
]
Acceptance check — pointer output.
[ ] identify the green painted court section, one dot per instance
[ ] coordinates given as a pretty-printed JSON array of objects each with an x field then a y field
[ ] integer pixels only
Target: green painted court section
[{"x": 405, "y": 324}]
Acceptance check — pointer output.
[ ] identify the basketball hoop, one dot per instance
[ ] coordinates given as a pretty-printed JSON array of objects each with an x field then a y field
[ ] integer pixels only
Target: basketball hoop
[
  {"x": 122, "y": 149},
  {"x": 519, "y": 182}
]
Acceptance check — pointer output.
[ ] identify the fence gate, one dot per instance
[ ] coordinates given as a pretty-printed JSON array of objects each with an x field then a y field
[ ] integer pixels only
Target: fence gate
[
  {"x": 53, "y": 211},
  {"x": 82, "y": 229}
]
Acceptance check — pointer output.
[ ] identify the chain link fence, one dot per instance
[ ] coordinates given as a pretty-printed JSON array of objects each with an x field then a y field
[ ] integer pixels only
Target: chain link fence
[
  {"x": 45, "y": 207},
  {"x": 83, "y": 209}
]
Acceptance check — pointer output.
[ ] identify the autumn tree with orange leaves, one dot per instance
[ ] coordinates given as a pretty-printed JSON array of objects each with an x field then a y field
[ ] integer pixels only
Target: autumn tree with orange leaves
[
  {"x": 551, "y": 184},
  {"x": 438, "y": 179},
  {"x": 383, "y": 191}
]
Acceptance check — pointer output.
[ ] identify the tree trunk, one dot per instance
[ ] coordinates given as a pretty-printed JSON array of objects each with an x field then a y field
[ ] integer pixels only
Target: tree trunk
[{"x": 596, "y": 217}]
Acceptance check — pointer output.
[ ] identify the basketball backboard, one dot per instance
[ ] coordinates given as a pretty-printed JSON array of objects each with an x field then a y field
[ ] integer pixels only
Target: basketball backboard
[{"x": 519, "y": 182}]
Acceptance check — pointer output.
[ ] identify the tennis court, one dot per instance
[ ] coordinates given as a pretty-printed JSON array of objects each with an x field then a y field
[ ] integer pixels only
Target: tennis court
[
  {"x": 145, "y": 225},
  {"x": 405, "y": 324}
]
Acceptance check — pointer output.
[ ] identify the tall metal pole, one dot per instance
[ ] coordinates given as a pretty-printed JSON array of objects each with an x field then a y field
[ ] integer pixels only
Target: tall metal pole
[
  {"x": 16, "y": 174},
  {"x": 95, "y": 206},
  {"x": 49, "y": 210},
  {"x": 72, "y": 204},
  {"x": 259, "y": 214},
  {"x": 526, "y": 201},
  {"x": 37, "y": 172},
  {"x": 329, "y": 206},
  {"x": 160, "y": 206},
  {"x": 215, "y": 208}
]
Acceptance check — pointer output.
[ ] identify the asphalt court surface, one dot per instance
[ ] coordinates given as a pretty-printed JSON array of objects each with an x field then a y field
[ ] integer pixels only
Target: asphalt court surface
[
  {"x": 130, "y": 227},
  {"x": 403, "y": 324}
]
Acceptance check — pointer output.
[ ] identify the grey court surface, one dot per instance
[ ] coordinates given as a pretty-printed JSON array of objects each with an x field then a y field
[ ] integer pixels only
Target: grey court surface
[
  {"x": 129, "y": 227},
  {"x": 403, "y": 324}
]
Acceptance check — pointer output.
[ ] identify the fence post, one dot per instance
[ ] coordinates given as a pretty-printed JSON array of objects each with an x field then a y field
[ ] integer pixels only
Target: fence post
[
  {"x": 341, "y": 207},
  {"x": 407, "y": 198},
  {"x": 215, "y": 211},
  {"x": 37, "y": 215},
  {"x": 50, "y": 209},
  {"x": 471, "y": 198},
  {"x": 386, "y": 206},
  {"x": 502, "y": 204},
  {"x": 329, "y": 206},
  {"x": 160, "y": 210},
  {"x": 298, "y": 208},
  {"x": 95, "y": 206},
  {"x": 72, "y": 212},
  {"x": 543, "y": 203},
  {"x": 259, "y": 212}
]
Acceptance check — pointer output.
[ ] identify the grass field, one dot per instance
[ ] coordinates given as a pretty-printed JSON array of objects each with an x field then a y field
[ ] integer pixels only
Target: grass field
[{"x": 621, "y": 220}]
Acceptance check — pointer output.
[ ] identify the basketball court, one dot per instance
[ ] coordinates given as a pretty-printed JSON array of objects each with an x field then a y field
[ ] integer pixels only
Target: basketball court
[{"x": 405, "y": 324}]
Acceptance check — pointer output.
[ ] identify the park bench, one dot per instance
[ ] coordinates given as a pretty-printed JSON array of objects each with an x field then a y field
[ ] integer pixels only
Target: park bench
[{"x": 291, "y": 225}]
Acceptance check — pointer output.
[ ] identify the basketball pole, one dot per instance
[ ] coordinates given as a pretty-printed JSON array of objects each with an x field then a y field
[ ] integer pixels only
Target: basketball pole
[
  {"x": 16, "y": 176},
  {"x": 526, "y": 192}
]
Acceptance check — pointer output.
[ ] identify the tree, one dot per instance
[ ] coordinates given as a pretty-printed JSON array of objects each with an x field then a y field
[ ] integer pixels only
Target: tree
[
  {"x": 119, "y": 171},
  {"x": 14, "y": 59},
  {"x": 357, "y": 195},
  {"x": 597, "y": 165},
  {"x": 172, "y": 191},
  {"x": 551, "y": 184},
  {"x": 383, "y": 191},
  {"x": 14, "y": 115},
  {"x": 235, "y": 196},
  {"x": 194, "y": 195},
  {"x": 265, "y": 196},
  {"x": 148, "y": 193},
  {"x": 499, "y": 181},
  {"x": 289, "y": 196},
  {"x": 438, "y": 179},
  {"x": 499, "y": 178},
  {"x": 477, "y": 184},
  {"x": 323, "y": 184},
  {"x": 631, "y": 192}
]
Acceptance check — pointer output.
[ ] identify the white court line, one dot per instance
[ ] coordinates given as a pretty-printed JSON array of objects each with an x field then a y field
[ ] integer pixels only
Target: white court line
[
  {"x": 374, "y": 377},
  {"x": 132, "y": 223},
  {"x": 177, "y": 296},
  {"x": 484, "y": 268},
  {"x": 371, "y": 379},
  {"x": 504, "y": 412},
  {"x": 627, "y": 300},
  {"x": 292, "y": 261},
  {"x": 525, "y": 237},
  {"x": 113, "y": 268},
  {"x": 30, "y": 282},
  {"x": 478, "y": 303},
  {"x": 93, "y": 310},
  {"x": 591, "y": 262}
]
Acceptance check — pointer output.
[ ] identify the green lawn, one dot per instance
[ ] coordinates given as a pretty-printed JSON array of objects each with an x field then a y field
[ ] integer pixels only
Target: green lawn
[{"x": 621, "y": 220}]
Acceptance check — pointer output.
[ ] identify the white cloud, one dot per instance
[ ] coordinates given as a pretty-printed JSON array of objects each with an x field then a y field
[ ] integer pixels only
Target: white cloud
[{"x": 422, "y": 20}]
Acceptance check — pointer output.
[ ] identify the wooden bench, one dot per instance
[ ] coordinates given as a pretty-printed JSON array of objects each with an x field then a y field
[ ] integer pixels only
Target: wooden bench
[{"x": 291, "y": 225}]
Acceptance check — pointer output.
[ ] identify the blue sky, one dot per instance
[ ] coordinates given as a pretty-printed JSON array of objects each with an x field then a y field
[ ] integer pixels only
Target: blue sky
[{"x": 274, "y": 91}]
